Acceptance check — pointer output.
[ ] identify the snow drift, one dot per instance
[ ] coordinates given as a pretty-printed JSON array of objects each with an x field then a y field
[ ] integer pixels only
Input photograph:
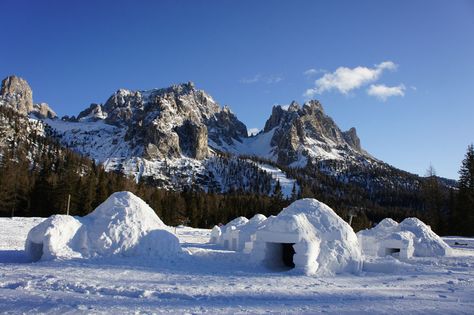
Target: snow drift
[
  {"x": 411, "y": 237},
  {"x": 122, "y": 225},
  {"x": 309, "y": 236}
]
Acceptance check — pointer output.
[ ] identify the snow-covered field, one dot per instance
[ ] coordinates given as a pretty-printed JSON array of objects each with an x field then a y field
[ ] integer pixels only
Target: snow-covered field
[{"x": 215, "y": 281}]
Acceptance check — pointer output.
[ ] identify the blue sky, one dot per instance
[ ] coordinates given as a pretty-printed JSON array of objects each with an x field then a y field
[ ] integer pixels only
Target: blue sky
[{"x": 415, "y": 57}]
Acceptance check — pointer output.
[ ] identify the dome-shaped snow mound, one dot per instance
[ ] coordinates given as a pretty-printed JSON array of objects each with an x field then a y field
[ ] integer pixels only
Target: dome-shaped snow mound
[
  {"x": 122, "y": 225},
  {"x": 117, "y": 225},
  {"x": 53, "y": 238},
  {"x": 322, "y": 242},
  {"x": 418, "y": 239}
]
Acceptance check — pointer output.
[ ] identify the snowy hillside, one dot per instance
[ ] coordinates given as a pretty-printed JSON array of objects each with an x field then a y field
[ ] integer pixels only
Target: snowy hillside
[{"x": 220, "y": 281}]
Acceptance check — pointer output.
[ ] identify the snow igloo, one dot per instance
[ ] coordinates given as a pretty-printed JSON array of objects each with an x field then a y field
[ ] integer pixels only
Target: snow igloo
[
  {"x": 228, "y": 237},
  {"x": 410, "y": 238},
  {"x": 235, "y": 234},
  {"x": 307, "y": 236},
  {"x": 123, "y": 225}
]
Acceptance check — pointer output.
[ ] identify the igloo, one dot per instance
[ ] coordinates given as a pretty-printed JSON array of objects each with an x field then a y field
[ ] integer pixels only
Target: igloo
[
  {"x": 228, "y": 238},
  {"x": 239, "y": 231},
  {"x": 245, "y": 232},
  {"x": 410, "y": 238},
  {"x": 309, "y": 237},
  {"x": 122, "y": 225}
]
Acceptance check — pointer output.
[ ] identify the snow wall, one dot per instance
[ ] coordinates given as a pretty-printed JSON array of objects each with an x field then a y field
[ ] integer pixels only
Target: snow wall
[
  {"x": 122, "y": 225},
  {"x": 411, "y": 237},
  {"x": 309, "y": 236}
]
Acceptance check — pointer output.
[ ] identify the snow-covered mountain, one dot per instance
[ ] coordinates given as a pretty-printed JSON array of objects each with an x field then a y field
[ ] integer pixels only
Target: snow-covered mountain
[
  {"x": 180, "y": 136},
  {"x": 295, "y": 134}
]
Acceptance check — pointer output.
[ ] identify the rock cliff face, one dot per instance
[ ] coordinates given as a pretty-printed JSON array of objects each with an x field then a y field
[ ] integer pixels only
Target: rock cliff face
[{"x": 16, "y": 93}]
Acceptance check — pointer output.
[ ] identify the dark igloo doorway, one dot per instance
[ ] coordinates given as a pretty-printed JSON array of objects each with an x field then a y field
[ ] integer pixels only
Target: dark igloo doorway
[
  {"x": 395, "y": 252},
  {"x": 279, "y": 256},
  {"x": 287, "y": 254}
]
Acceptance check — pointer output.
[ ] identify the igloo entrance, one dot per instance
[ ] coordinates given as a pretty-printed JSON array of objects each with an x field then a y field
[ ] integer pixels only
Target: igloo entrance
[
  {"x": 287, "y": 254},
  {"x": 279, "y": 256},
  {"x": 395, "y": 252},
  {"x": 35, "y": 250}
]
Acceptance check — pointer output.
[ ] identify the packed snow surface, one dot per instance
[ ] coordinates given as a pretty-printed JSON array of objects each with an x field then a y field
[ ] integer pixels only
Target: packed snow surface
[
  {"x": 213, "y": 281},
  {"x": 324, "y": 244},
  {"x": 122, "y": 225},
  {"x": 424, "y": 241}
]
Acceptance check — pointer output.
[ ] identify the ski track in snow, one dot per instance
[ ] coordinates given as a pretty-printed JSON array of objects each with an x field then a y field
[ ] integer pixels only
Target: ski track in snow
[{"x": 215, "y": 281}]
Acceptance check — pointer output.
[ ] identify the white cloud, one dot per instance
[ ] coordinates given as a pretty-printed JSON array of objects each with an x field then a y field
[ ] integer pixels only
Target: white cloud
[
  {"x": 273, "y": 79},
  {"x": 383, "y": 92},
  {"x": 312, "y": 72},
  {"x": 253, "y": 131},
  {"x": 346, "y": 79},
  {"x": 268, "y": 79},
  {"x": 251, "y": 80}
]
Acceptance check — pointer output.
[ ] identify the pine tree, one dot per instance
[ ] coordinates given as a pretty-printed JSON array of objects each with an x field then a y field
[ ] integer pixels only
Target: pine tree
[
  {"x": 294, "y": 193},
  {"x": 464, "y": 216},
  {"x": 432, "y": 200},
  {"x": 277, "y": 192}
]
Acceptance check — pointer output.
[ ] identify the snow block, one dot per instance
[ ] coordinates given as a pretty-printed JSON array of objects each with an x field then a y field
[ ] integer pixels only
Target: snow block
[
  {"x": 309, "y": 237},
  {"x": 122, "y": 225}
]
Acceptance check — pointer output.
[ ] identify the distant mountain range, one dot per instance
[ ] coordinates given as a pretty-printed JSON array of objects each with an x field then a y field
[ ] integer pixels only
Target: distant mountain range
[{"x": 180, "y": 137}]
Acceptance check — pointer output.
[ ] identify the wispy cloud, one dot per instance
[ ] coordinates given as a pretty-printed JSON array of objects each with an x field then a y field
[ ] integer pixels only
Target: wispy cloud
[
  {"x": 258, "y": 78},
  {"x": 382, "y": 92},
  {"x": 251, "y": 80},
  {"x": 312, "y": 72},
  {"x": 346, "y": 79}
]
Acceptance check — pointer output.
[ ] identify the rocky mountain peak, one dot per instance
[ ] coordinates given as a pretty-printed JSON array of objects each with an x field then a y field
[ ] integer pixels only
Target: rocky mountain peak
[
  {"x": 93, "y": 113},
  {"x": 308, "y": 131},
  {"x": 313, "y": 106},
  {"x": 170, "y": 122},
  {"x": 294, "y": 107},
  {"x": 43, "y": 111},
  {"x": 352, "y": 138},
  {"x": 16, "y": 93}
]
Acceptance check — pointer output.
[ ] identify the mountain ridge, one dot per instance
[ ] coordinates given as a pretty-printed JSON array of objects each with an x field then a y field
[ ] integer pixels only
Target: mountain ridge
[{"x": 141, "y": 133}]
